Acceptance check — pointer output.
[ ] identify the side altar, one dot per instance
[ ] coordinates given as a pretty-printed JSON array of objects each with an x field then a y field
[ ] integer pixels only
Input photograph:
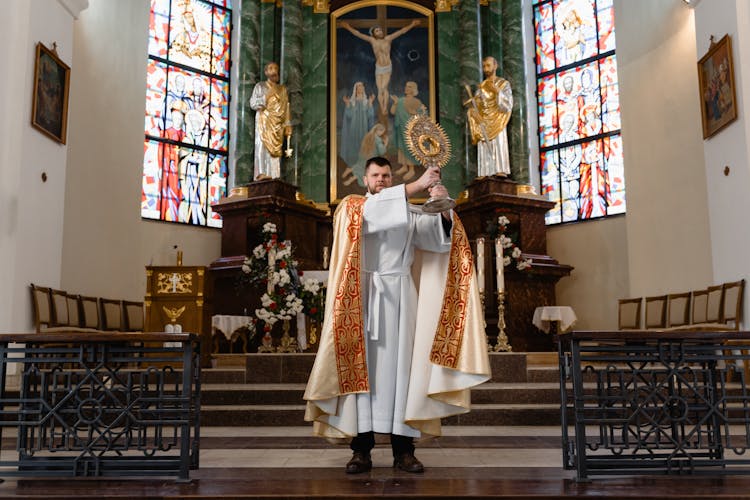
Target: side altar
[
  {"x": 300, "y": 221},
  {"x": 489, "y": 198}
]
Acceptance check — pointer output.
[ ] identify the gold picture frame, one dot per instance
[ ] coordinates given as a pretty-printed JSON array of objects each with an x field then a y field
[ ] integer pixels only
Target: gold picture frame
[
  {"x": 717, "y": 90},
  {"x": 49, "y": 109},
  {"x": 353, "y": 62}
]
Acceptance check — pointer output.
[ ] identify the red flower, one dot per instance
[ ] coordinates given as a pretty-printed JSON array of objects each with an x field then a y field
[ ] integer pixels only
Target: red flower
[
  {"x": 300, "y": 273},
  {"x": 282, "y": 264},
  {"x": 313, "y": 310},
  {"x": 267, "y": 328},
  {"x": 272, "y": 306},
  {"x": 274, "y": 236}
]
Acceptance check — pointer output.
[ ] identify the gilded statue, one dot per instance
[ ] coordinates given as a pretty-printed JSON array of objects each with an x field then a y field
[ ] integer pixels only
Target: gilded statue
[
  {"x": 488, "y": 115},
  {"x": 272, "y": 123}
]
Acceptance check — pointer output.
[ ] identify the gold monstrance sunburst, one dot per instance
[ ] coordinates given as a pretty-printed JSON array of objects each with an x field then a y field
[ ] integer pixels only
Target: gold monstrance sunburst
[{"x": 429, "y": 144}]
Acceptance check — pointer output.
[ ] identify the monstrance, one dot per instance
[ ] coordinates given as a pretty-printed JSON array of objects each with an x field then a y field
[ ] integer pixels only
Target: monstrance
[{"x": 429, "y": 144}]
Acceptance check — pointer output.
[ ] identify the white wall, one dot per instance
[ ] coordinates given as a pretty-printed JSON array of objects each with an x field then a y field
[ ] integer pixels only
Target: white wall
[
  {"x": 728, "y": 202},
  {"x": 31, "y": 211},
  {"x": 662, "y": 244},
  {"x": 106, "y": 243}
]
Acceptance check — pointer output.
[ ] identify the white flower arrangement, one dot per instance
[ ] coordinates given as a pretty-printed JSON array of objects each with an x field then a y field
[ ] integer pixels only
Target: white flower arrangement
[{"x": 511, "y": 251}]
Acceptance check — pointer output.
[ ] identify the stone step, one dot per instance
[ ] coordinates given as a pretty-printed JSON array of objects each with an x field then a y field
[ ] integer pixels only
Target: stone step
[
  {"x": 293, "y": 368},
  {"x": 293, "y": 415}
]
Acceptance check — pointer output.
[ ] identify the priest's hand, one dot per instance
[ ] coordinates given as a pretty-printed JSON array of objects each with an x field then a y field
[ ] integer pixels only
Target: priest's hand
[
  {"x": 439, "y": 191},
  {"x": 429, "y": 178}
]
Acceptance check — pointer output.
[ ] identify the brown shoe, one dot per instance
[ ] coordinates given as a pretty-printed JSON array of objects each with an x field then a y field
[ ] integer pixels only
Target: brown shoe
[
  {"x": 359, "y": 463},
  {"x": 409, "y": 463}
]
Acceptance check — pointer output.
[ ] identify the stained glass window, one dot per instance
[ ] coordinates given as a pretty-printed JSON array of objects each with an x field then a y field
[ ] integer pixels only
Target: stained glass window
[
  {"x": 579, "y": 109},
  {"x": 187, "y": 111}
]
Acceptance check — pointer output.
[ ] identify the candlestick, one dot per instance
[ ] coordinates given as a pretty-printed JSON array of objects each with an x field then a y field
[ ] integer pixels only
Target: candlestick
[
  {"x": 500, "y": 265},
  {"x": 480, "y": 264}
]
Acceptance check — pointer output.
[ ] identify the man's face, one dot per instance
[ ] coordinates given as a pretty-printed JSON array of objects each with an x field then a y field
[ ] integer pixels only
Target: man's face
[
  {"x": 489, "y": 67},
  {"x": 272, "y": 73},
  {"x": 377, "y": 32},
  {"x": 377, "y": 178}
]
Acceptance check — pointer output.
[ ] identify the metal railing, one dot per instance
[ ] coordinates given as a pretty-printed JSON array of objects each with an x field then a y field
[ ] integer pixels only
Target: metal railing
[
  {"x": 110, "y": 404},
  {"x": 655, "y": 402}
]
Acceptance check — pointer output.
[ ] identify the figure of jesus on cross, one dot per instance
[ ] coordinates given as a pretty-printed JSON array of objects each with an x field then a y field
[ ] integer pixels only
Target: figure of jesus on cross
[{"x": 381, "y": 47}]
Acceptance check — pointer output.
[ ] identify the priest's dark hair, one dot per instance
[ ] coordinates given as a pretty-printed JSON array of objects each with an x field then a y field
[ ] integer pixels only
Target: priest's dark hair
[{"x": 379, "y": 161}]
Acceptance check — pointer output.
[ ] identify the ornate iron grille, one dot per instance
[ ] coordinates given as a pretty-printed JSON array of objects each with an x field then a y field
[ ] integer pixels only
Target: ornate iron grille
[
  {"x": 655, "y": 402},
  {"x": 101, "y": 405}
]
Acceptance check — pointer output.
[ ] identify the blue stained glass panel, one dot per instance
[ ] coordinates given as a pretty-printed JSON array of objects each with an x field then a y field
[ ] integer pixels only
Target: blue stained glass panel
[
  {"x": 156, "y": 77},
  {"x": 606, "y": 18},
  {"x": 158, "y": 28},
  {"x": 220, "y": 60},
  {"x": 217, "y": 186},
  {"x": 545, "y": 43},
  {"x": 219, "y": 118},
  {"x": 547, "y": 110},
  {"x": 575, "y": 31},
  {"x": 190, "y": 34}
]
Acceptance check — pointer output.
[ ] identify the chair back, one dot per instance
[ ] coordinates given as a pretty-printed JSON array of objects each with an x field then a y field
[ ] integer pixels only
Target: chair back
[
  {"x": 733, "y": 293},
  {"x": 74, "y": 309},
  {"x": 60, "y": 316},
  {"x": 715, "y": 304},
  {"x": 111, "y": 314},
  {"x": 133, "y": 315},
  {"x": 90, "y": 312},
  {"x": 656, "y": 311},
  {"x": 698, "y": 306},
  {"x": 678, "y": 309},
  {"x": 42, "y": 307},
  {"x": 629, "y": 314}
]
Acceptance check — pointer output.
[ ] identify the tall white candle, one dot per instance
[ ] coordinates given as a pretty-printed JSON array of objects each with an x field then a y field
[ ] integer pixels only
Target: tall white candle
[
  {"x": 480, "y": 264},
  {"x": 500, "y": 265},
  {"x": 325, "y": 257},
  {"x": 271, "y": 267}
]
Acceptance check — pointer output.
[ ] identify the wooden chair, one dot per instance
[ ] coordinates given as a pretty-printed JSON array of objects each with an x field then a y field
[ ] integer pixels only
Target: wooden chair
[
  {"x": 732, "y": 310},
  {"x": 134, "y": 315},
  {"x": 656, "y": 312},
  {"x": 678, "y": 309},
  {"x": 715, "y": 306},
  {"x": 60, "y": 313},
  {"x": 42, "y": 306},
  {"x": 111, "y": 314},
  {"x": 698, "y": 307},
  {"x": 89, "y": 312},
  {"x": 629, "y": 314}
]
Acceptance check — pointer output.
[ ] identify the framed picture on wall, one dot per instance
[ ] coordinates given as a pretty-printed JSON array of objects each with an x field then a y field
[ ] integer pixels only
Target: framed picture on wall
[
  {"x": 49, "y": 109},
  {"x": 717, "y": 92},
  {"x": 382, "y": 73}
]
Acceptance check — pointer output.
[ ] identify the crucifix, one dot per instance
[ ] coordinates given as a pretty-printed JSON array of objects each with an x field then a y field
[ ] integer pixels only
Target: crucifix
[
  {"x": 380, "y": 40},
  {"x": 175, "y": 280}
]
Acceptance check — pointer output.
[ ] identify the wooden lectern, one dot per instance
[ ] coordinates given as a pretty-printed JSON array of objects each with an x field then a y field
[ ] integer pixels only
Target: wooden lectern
[{"x": 177, "y": 295}]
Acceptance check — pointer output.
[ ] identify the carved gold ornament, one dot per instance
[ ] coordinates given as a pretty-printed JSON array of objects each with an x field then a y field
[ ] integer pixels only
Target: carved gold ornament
[{"x": 427, "y": 141}]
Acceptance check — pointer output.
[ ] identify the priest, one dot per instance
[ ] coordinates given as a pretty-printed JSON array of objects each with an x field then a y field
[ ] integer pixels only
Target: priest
[{"x": 403, "y": 336}]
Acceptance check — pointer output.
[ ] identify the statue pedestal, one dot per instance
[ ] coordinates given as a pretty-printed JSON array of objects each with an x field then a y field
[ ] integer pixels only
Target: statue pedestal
[
  {"x": 244, "y": 212},
  {"x": 489, "y": 198}
]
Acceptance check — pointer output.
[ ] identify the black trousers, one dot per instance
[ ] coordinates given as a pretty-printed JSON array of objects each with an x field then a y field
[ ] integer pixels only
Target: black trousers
[{"x": 365, "y": 441}]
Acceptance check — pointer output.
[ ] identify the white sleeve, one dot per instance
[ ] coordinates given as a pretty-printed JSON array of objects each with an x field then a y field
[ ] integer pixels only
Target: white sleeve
[
  {"x": 386, "y": 210},
  {"x": 430, "y": 234},
  {"x": 258, "y": 98}
]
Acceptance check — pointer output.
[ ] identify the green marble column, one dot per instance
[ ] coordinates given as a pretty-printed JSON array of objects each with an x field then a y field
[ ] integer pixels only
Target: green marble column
[
  {"x": 291, "y": 74},
  {"x": 514, "y": 71},
  {"x": 312, "y": 139},
  {"x": 247, "y": 30},
  {"x": 492, "y": 32},
  {"x": 470, "y": 68},
  {"x": 270, "y": 27},
  {"x": 452, "y": 117}
]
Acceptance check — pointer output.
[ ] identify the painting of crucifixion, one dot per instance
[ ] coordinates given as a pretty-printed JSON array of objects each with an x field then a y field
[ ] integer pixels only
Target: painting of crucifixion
[{"x": 382, "y": 73}]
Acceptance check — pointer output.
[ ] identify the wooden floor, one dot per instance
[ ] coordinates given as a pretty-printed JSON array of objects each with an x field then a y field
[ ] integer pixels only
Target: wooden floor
[
  {"x": 274, "y": 483},
  {"x": 502, "y": 462}
]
